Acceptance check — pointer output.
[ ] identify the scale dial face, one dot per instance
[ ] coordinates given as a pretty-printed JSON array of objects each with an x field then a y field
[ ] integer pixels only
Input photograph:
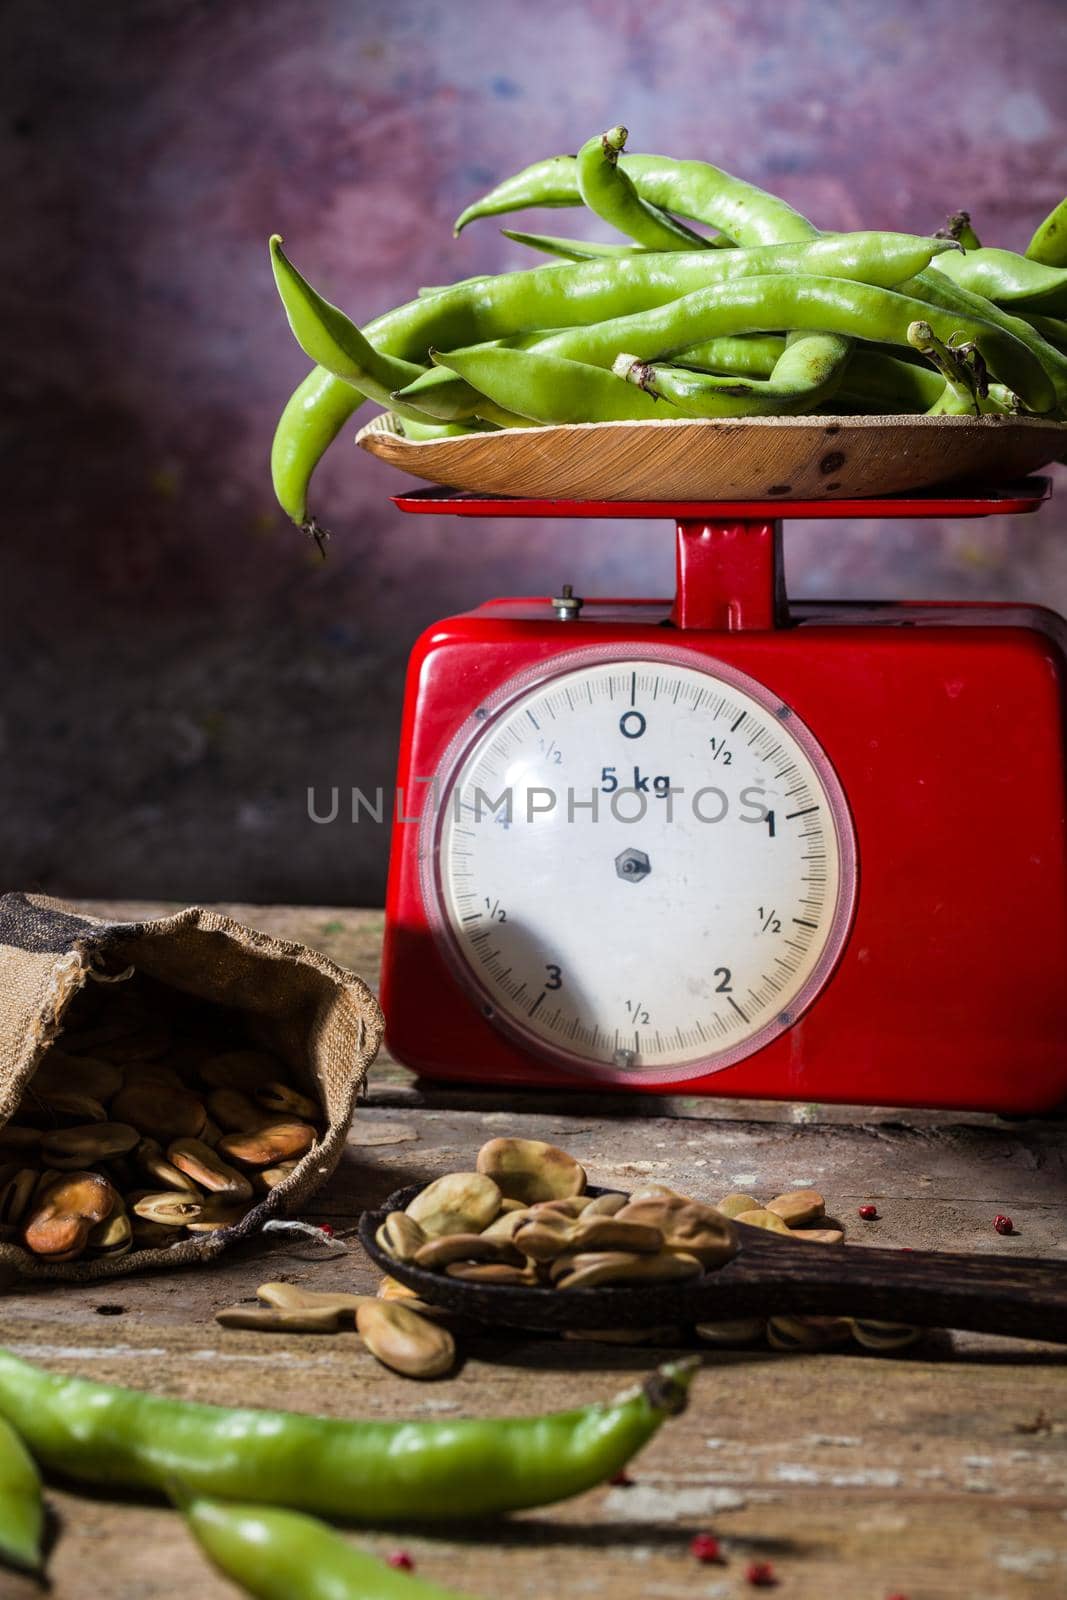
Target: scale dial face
[{"x": 639, "y": 863}]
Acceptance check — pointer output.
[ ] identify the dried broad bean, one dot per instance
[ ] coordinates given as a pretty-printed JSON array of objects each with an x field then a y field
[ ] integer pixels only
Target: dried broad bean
[
  {"x": 290, "y": 1297},
  {"x": 172, "y": 1208},
  {"x": 736, "y": 1330},
  {"x": 400, "y": 1236},
  {"x": 282, "y": 1100},
  {"x": 159, "y": 1110},
  {"x": 460, "y": 1202},
  {"x": 234, "y": 1111},
  {"x": 278, "y": 1319},
  {"x": 528, "y": 1170},
  {"x": 807, "y": 1333},
  {"x": 200, "y": 1163},
  {"x": 64, "y": 1213},
  {"x": 71, "y": 1149},
  {"x": 268, "y": 1144},
  {"x": 155, "y": 1165},
  {"x": 798, "y": 1207},
  {"x": 762, "y": 1218},
  {"x": 437, "y": 1253},
  {"x": 688, "y": 1226},
  {"x": 612, "y": 1266},
  {"x": 400, "y": 1338}
]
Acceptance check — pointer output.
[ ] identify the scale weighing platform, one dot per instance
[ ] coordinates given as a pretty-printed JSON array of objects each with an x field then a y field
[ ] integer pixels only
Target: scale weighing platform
[{"x": 734, "y": 844}]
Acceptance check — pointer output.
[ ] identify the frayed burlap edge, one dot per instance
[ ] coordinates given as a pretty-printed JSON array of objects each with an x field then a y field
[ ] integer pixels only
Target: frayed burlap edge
[{"x": 330, "y": 1049}]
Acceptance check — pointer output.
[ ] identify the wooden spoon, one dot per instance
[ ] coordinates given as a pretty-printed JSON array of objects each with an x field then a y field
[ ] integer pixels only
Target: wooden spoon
[{"x": 1025, "y": 1297}]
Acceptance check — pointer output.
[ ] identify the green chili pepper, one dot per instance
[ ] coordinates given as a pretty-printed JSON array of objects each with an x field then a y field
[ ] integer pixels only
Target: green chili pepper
[
  {"x": 1008, "y": 279},
  {"x": 362, "y": 1471},
  {"x": 549, "y": 388},
  {"x": 692, "y": 189},
  {"x": 281, "y": 1555},
  {"x": 21, "y": 1506},
  {"x": 610, "y": 194},
  {"x": 1049, "y": 244},
  {"x": 798, "y": 383}
]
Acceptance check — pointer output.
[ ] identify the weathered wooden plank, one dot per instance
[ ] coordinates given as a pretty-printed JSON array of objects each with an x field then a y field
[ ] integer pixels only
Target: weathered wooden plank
[{"x": 938, "y": 1474}]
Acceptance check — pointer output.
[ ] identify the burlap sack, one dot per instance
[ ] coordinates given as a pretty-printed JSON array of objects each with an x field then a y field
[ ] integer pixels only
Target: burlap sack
[{"x": 322, "y": 1020}]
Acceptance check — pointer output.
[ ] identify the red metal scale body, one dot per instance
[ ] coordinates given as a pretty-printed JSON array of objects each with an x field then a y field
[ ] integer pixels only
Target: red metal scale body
[{"x": 944, "y": 724}]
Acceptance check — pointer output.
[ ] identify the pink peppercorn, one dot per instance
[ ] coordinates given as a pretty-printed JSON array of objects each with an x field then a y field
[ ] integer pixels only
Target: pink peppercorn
[
  {"x": 705, "y": 1547},
  {"x": 621, "y": 1480},
  {"x": 324, "y": 1227},
  {"x": 869, "y": 1213},
  {"x": 401, "y": 1560},
  {"x": 760, "y": 1574},
  {"x": 1003, "y": 1224}
]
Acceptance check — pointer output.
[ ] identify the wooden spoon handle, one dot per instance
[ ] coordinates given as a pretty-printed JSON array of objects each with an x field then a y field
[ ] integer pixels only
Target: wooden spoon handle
[{"x": 1025, "y": 1297}]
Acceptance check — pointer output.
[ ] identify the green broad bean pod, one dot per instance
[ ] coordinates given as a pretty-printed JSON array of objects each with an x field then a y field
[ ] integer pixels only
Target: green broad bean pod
[
  {"x": 610, "y": 194},
  {"x": 570, "y": 249},
  {"x": 834, "y": 305},
  {"x": 1054, "y": 329},
  {"x": 547, "y": 388},
  {"x": 1049, "y": 243},
  {"x": 358, "y": 1471},
  {"x": 21, "y": 1505},
  {"x": 326, "y": 335},
  {"x": 799, "y": 381},
  {"x": 694, "y": 189},
  {"x": 282, "y": 1555},
  {"x": 448, "y": 430},
  {"x": 744, "y": 355},
  {"x": 740, "y": 211},
  {"x": 1008, "y": 279},
  {"x": 570, "y": 298},
  {"x": 876, "y": 382},
  {"x": 938, "y": 290},
  {"x": 314, "y": 415}
]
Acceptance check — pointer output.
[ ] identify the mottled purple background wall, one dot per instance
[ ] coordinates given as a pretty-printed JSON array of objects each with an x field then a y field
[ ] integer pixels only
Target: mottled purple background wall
[{"x": 178, "y": 666}]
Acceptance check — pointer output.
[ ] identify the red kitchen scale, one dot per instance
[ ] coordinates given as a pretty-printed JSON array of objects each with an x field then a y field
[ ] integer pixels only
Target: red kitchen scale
[{"x": 735, "y": 844}]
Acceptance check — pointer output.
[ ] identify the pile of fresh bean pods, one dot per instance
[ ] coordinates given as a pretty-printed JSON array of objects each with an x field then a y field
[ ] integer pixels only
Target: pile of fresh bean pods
[
  {"x": 766, "y": 316},
  {"x": 154, "y": 1118}
]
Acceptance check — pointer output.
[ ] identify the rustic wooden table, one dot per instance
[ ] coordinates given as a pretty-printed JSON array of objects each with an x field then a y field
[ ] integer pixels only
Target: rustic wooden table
[{"x": 936, "y": 1474}]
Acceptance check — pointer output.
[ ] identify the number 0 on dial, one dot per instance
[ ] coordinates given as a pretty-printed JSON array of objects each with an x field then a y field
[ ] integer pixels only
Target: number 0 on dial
[{"x": 638, "y": 864}]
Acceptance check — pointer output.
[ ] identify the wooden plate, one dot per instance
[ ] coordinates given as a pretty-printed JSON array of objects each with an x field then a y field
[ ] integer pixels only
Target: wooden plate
[{"x": 742, "y": 458}]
